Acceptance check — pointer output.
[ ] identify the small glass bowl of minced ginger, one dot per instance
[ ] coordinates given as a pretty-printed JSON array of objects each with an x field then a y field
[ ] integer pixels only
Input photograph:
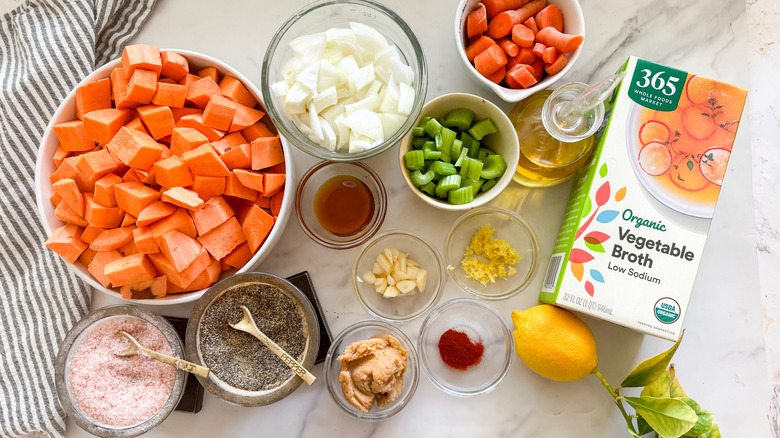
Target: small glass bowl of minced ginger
[{"x": 491, "y": 253}]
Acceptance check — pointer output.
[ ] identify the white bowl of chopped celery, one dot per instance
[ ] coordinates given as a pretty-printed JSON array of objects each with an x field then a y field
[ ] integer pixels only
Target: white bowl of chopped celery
[{"x": 461, "y": 153}]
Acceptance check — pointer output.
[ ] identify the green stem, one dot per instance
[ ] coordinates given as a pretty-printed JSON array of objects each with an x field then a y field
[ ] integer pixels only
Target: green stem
[{"x": 616, "y": 396}]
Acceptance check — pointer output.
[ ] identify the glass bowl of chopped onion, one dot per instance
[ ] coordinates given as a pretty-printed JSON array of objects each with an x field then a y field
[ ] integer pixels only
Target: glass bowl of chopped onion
[
  {"x": 344, "y": 80},
  {"x": 398, "y": 276},
  {"x": 491, "y": 253}
]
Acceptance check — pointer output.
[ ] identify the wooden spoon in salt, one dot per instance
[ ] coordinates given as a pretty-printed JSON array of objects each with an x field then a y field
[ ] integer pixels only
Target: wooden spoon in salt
[
  {"x": 179, "y": 364},
  {"x": 247, "y": 324}
]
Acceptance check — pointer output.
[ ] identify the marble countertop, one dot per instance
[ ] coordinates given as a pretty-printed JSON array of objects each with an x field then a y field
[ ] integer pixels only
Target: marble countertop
[{"x": 722, "y": 362}]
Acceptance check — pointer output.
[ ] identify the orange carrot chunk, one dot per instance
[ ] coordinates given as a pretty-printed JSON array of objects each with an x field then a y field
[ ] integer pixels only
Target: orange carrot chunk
[
  {"x": 183, "y": 198},
  {"x": 256, "y": 226},
  {"x": 497, "y": 76},
  {"x": 223, "y": 239},
  {"x": 158, "y": 120},
  {"x": 490, "y": 60},
  {"x": 520, "y": 76},
  {"x": 476, "y": 21},
  {"x": 531, "y": 24},
  {"x": 549, "y": 55},
  {"x": 478, "y": 46},
  {"x": 502, "y": 23},
  {"x": 557, "y": 65},
  {"x": 131, "y": 269},
  {"x": 550, "y": 16},
  {"x": 523, "y": 36},
  {"x": 174, "y": 65},
  {"x": 508, "y": 46},
  {"x": 93, "y": 96},
  {"x": 538, "y": 49},
  {"x": 493, "y": 7},
  {"x": 564, "y": 42}
]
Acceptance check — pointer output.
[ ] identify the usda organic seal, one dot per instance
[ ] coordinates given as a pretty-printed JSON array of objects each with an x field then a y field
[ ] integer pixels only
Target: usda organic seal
[{"x": 667, "y": 310}]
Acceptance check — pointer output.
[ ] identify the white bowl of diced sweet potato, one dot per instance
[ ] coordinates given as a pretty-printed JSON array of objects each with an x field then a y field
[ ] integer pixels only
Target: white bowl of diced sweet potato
[{"x": 160, "y": 174}]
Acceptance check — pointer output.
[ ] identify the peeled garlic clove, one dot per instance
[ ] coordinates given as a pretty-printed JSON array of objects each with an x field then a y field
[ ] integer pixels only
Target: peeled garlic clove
[
  {"x": 391, "y": 280},
  {"x": 422, "y": 279},
  {"x": 386, "y": 265},
  {"x": 388, "y": 252},
  {"x": 380, "y": 286},
  {"x": 402, "y": 263},
  {"x": 391, "y": 292},
  {"x": 412, "y": 271},
  {"x": 401, "y": 275},
  {"x": 410, "y": 262},
  {"x": 369, "y": 277},
  {"x": 396, "y": 253},
  {"x": 405, "y": 286},
  {"x": 376, "y": 269}
]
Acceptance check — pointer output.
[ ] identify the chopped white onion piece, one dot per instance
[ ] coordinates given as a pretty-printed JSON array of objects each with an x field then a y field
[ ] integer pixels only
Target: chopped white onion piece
[
  {"x": 391, "y": 98},
  {"x": 391, "y": 123},
  {"x": 342, "y": 131},
  {"x": 308, "y": 76},
  {"x": 348, "y": 65},
  {"x": 369, "y": 39},
  {"x": 325, "y": 98},
  {"x": 369, "y": 103},
  {"x": 308, "y": 46},
  {"x": 314, "y": 122},
  {"x": 361, "y": 79},
  {"x": 366, "y": 123},
  {"x": 296, "y": 99},
  {"x": 280, "y": 88},
  {"x": 405, "y": 98},
  {"x": 329, "y": 76},
  {"x": 328, "y": 134}
]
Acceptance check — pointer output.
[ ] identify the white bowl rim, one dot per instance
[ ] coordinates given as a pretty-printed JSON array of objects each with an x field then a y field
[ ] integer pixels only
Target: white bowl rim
[
  {"x": 482, "y": 198},
  {"x": 508, "y": 94},
  {"x": 184, "y": 297}
]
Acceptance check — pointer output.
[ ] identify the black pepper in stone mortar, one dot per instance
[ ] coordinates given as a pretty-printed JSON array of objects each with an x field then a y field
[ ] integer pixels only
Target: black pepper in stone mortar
[{"x": 238, "y": 358}]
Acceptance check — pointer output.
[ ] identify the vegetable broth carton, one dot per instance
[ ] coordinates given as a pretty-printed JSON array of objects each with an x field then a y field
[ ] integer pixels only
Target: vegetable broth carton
[{"x": 637, "y": 219}]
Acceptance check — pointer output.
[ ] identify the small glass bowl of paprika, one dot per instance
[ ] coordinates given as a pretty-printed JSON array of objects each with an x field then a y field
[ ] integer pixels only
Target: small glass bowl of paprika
[{"x": 466, "y": 347}]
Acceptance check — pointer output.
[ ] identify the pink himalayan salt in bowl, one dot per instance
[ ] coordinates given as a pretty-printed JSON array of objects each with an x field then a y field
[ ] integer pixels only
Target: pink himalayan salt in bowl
[{"x": 112, "y": 396}]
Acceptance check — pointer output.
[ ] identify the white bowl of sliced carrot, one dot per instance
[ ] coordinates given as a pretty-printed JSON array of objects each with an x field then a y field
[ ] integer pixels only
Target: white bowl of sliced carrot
[
  {"x": 518, "y": 47},
  {"x": 160, "y": 174}
]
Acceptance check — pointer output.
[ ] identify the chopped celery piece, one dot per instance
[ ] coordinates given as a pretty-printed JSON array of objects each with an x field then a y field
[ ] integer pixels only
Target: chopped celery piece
[
  {"x": 494, "y": 167},
  {"x": 432, "y": 127},
  {"x": 430, "y": 152},
  {"x": 483, "y": 153},
  {"x": 442, "y": 169},
  {"x": 429, "y": 188},
  {"x": 418, "y": 142},
  {"x": 446, "y": 138},
  {"x": 461, "y": 196},
  {"x": 414, "y": 160},
  {"x": 475, "y": 184},
  {"x": 487, "y": 185},
  {"x": 463, "y": 154},
  {"x": 446, "y": 184},
  {"x": 459, "y": 118},
  {"x": 423, "y": 121},
  {"x": 482, "y": 128},
  {"x": 470, "y": 168},
  {"x": 457, "y": 146},
  {"x": 418, "y": 131},
  {"x": 420, "y": 179}
]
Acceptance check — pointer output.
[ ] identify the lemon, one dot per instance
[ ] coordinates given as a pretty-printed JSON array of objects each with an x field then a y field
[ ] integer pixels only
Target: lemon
[{"x": 554, "y": 343}]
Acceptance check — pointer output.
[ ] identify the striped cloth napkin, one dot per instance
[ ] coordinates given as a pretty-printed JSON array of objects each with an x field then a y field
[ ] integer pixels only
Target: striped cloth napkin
[{"x": 46, "y": 48}]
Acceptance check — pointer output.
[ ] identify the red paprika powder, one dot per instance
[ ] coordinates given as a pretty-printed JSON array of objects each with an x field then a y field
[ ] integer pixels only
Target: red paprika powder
[{"x": 458, "y": 351}]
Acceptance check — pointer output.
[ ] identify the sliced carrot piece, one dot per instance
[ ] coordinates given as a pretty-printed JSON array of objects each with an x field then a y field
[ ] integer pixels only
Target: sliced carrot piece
[
  {"x": 98, "y": 265},
  {"x": 490, "y": 60},
  {"x": 214, "y": 213},
  {"x": 503, "y": 22},
  {"x": 158, "y": 120},
  {"x": 182, "y": 197},
  {"x": 70, "y": 193},
  {"x": 497, "y": 76},
  {"x": 523, "y": 36},
  {"x": 174, "y": 65},
  {"x": 239, "y": 157},
  {"x": 204, "y": 160},
  {"x": 219, "y": 112},
  {"x": 172, "y": 172},
  {"x": 564, "y": 42},
  {"x": 208, "y": 187},
  {"x": 538, "y": 49},
  {"x": 557, "y": 65},
  {"x": 223, "y": 239},
  {"x": 93, "y": 96},
  {"x": 113, "y": 238},
  {"x": 141, "y": 56},
  {"x": 550, "y": 16},
  {"x": 256, "y": 226},
  {"x": 130, "y": 269},
  {"x": 520, "y": 76},
  {"x": 508, "y": 46},
  {"x": 478, "y": 46},
  {"x": 154, "y": 212},
  {"x": 476, "y": 21},
  {"x": 494, "y": 7},
  {"x": 549, "y": 55},
  {"x": 181, "y": 250},
  {"x": 531, "y": 24},
  {"x": 72, "y": 136},
  {"x": 133, "y": 197}
]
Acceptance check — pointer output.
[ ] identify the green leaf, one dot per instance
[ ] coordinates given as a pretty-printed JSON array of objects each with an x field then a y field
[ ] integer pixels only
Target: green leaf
[
  {"x": 603, "y": 170},
  {"x": 661, "y": 387},
  {"x": 714, "y": 432},
  {"x": 642, "y": 427},
  {"x": 650, "y": 369},
  {"x": 595, "y": 247},
  {"x": 689, "y": 164},
  {"x": 704, "y": 423},
  {"x": 671, "y": 418},
  {"x": 675, "y": 389},
  {"x": 586, "y": 208}
]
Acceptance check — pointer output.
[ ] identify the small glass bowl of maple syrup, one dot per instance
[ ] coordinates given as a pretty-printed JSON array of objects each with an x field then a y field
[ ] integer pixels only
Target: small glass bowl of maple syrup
[{"x": 341, "y": 205}]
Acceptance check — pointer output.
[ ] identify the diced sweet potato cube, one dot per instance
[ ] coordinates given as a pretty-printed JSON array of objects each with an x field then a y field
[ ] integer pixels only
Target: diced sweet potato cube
[
  {"x": 185, "y": 139},
  {"x": 228, "y": 142},
  {"x": 239, "y": 257},
  {"x": 183, "y": 198},
  {"x": 172, "y": 172},
  {"x": 113, "y": 238},
  {"x": 141, "y": 56},
  {"x": 133, "y": 197},
  {"x": 266, "y": 152},
  {"x": 171, "y": 95},
  {"x": 141, "y": 86},
  {"x": 219, "y": 112},
  {"x": 66, "y": 241},
  {"x": 98, "y": 265},
  {"x": 174, "y": 65},
  {"x": 214, "y": 213},
  {"x": 130, "y": 269},
  {"x": 244, "y": 117},
  {"x": 144, "y": 240},
  {"x": 235, "y": 90},
  {"x": 239, "y": 157},
  {"x": 104, "y": 190},
  {"x": 233, "y": 187},
  {"x": 158, "y": 120},
  {"x": 257, "y": 225},
  {"x": 195, "y": 120},
  {"x": 204, "y": 160},
  {"x": 69, "y": 191},
  {"x": 119, "y": 90},
  {"x": 134, "y": 148},
  {"x": 101, "y": 216},
  {"x": 223, "y": 239},
  {"x": 72, "y": 137},
  {"x": 94, "y": 165},
  {"x": 200, "y": 91},
  {"x": 208, "y": 187},
  {"x": 101, "y": 125},
  {"x": 93, "y": 96}
]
